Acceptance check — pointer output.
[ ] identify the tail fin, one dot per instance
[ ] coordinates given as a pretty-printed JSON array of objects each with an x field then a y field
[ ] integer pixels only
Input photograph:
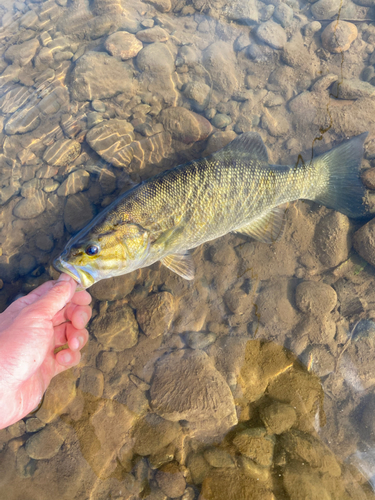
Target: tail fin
[{"x": 345, "y": 191}]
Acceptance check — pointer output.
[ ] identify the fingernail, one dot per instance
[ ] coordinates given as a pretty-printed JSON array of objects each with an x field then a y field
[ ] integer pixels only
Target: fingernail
[
  {"x": 81, "y": 341},
  {"x": 63, "y": 277},
  {"x": 85, "y": 318},
  {"x": 75, "y": 344}
]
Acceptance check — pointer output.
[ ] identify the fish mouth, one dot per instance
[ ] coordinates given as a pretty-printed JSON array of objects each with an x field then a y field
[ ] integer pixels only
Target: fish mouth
[{"x": 82, "y": 277}]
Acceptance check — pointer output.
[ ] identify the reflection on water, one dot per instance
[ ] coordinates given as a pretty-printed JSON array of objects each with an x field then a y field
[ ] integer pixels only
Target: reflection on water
[{"x": 256, "y": 380}]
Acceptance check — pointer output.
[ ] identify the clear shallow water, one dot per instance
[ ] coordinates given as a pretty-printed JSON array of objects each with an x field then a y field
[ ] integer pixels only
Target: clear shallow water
[{"x": 256, "y": 380}]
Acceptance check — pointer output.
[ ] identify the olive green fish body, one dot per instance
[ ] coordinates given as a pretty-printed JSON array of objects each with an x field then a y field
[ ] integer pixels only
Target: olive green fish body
[{"x": 235, "y": 189}]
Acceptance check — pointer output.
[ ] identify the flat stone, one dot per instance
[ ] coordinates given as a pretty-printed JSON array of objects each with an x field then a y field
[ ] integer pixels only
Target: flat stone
[
  {"x": 76, "y": 181},
  {"x": 217, "y": 457},
  {"x": 232, "y": 484},
  {"x": 315, "y": 297},
  {"x": 110, "y": 139},
  {"x": 318, "y": 359},
  {"x": 301, "y": 481},
  {"x": 30, "y": 187},
  {"x": 200, "y": 340},
  {"x": 33, "y": 424},
  {"x": 155, "y": 34},
  {"x": 364, "y": 242},
  {"x": 199, "y": 93},
  {"x": 325, "y": 9},
  {"x": 190, "y": 372},
  {"x": 338, "y": 36},
  {"x": 153, "y": 433},
  {"x": 171, "y": 480},
  {"x": 284, "y": 14},
  {"x": 161, "y": 5},
  {"x": 28, "y": 208},
  {"x": 311, "y": 28},
  {"x": 62, "y": 152},
  {"x": 114, "y": 288},
  {"x": 243, "y": 12},
  {"x": 257, "y": 447},
  {"x": 59, "y": 394},
  {"x": 332, "y": 239},
  {"x": 184, "y": 125},
  {"x": 16, "y": 97},
  {"x": 44, "y": 444},
  {"x": 156, "y": 58},
  {"x": 221, "y": 121},
  {"x": 23, "y": 53},
  {"x": 21, "y": 122},
  {"x": 78, "y": 212},
  {"x": 155, "y": 314},
  {"x": 278, "y": 417},
  {"x": 217, "y": 56},
  {"x": 97, "y": 75},
  {"x": 123, "y": 44},
  {"x": 106, "y": 361},
  {"x": 273, "y": 34},
  {"x": 352, "y": 89},
  {"x": 91, "y": 381},
  {"x": 116, "y": 327}
]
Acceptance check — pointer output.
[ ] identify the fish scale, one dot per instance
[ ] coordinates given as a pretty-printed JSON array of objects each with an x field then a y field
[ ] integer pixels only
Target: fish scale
[{"x": 235, "y": 189}]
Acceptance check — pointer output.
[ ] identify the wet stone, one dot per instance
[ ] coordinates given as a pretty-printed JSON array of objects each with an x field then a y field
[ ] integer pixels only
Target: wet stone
[
  {"x": 188, "y": 371},
  {"x": 98, "y": 106},
  {"x": 311, "y": 28},
  {"x": 156, "y": 58},
  {"x": 170, "y": 480},
  {"x": 155, "y": 314},
  {"x": 284, "y": 14},
  {"x": 98, "y": 75},
  {"x": 155, "y": 34},
  {"x": 29, "y": 188},
  {"x": 114, "y": 288},
  {"x": 93, "y": 119},
  {"x": 332, "y": 239},
  {"x": 33, "y": 424},
  {"x": 273, "y": 34},
  {"x": 352, "y": 89},
  {"x": 217, "y": 457},
  {"x": 116, "y": 328},
  {"x": 244, "y": 12},
  {"x": 62, "y": 152},
  {"x": 25, "y": 466},
  {"x": 23, "y": 53},
  {"x": 232, "y": 484},
  {"x": 153, "y": 433},
  {"x": 364, "y": 242},
  {"x": 22, "y": 122},
  {"x": 17, "y": 429},
  {"x": 106, "y": 361},
  {"x": 78, "y": 212},
  {"x": 124, "y": 45},
  {"x": 91, "y": 381},
  {"x": 315, "y": 297},
  {"x": 278, "y": 417},
  {"x": 198, "y": 467},
  {"x": 325, "y": 9},
  {"x": 77, "y": 181},
  {"x": 161, "y": 5},
  {"x": 253, "y": 470},
  {"x": 221, "y": 121},
  {"x": 338, "y": 36},
  {"x": 110, "y": 139},
  {"x": 28, "y": 208},
  {"x": 45, "y": 444},
  {"x": 200, "y": 340},
  {"x": 184, "y": 125},
  {"x": 319, "y": 360},
  {"x": 50, "y": 185},
  {"x": 27, "y": 264},
  {"x": 301, "y": 481},
  {"x": 255, "y": 444}
]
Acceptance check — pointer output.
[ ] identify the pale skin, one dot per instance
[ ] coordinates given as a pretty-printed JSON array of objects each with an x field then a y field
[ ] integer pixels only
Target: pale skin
[{"x": 31, "y": 328}]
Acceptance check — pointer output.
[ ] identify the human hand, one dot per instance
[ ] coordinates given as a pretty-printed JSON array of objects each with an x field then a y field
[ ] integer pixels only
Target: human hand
[{"x": 31, "y": 328}]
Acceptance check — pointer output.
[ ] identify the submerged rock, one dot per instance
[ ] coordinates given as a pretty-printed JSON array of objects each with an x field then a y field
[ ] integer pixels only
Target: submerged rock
[
  {"x": 230, "y": 484},
  {"x": 184, "y": 125},
  {"x": 62, "y": 152},
  {"x": 153, "y": 433},
  {"x": 339, "y": 35},
  {"x": 155, "y": 314},
  {"x": 44, "y": 444},
  {"x": 171, "y": 480},
  {"x": 273, "y": 34},
  {"x": 28, "y": 208},
  {"x": 116, "y": 327},
  {"x": 124, "y": 45}
]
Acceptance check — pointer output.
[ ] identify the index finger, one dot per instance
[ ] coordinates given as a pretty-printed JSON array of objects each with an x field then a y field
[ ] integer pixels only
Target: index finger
[{"x": 81, "y": 298}]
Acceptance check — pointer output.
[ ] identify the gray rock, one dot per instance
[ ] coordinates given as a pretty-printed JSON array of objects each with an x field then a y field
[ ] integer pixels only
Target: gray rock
[
  {"x": 151, "y": 35},
  {"x": 77, "y": 181},
  {"x": 25, "y": 466},
  {"x": 155, "y": 314},
  {"x": 161, "y": 5},
  {"x": 62, "y": 152},
  {"x": 116, "y": 327},
  {"x": 91, "y": 381},
  {"x": 49, "y": 185},
  {"x": 156, "y": 58},
  {"x": 16, "y": 97},
  {"x": 28, "y": 208},
  {"x": 44, "y": 444},
  {"x": 284, "y": 14},
  {"x": 217, "y": 56},
  {"x": 78, "y": 212},
  {"x": 98, "y": 106},
  {"x": 23, "y": 53},
  {"x": 368, "y": 73},
  {"x": 338, "y": 36},
  {"x": 124, "y": 45},
  {"x": 190, "y": 372},
  {"x": 114, "y": 288},
  {"x": 325, "y": 9},
  {"x": 23, "y": 121},
  {"x": 352, "y": 89},
  {"x": 184, "y": 125},
  {"x": 319, "y": 360},
  {"x": 311, "y": 28},
  {"x": 97, "y": 75},
  {"x": 200, "y": 340},
  {"x": 315, "y": 297},
  {"x": 221, "y": 121},
  {"x": 244, "y": 12},
  {"x": 199, "y": 93},
  {"x": 29, "y": 188},
  {"x": 332, "y": 239},
  {"x": 273, "y": 34}
]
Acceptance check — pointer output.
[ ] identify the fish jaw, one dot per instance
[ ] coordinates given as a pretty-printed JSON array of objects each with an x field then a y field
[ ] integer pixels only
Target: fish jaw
[{"x": 80, "y": 275}]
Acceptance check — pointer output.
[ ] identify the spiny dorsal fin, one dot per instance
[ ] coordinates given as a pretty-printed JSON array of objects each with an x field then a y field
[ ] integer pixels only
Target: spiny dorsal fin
[
  {"x": 181, "y": 264},
  {"x": 268, "y": 228},
  {"x": 249, "y": 143}
]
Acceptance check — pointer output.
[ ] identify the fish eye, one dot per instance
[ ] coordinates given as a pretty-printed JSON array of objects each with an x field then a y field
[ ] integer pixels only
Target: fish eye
[{"x": 92, "y": 250}]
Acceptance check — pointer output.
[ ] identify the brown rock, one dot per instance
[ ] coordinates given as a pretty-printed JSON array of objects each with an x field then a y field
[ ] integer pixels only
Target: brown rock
[
  {"x": 170, "y": 480},
  {"x": 78, "y": 212},
  {"x": 255, "y": 444},
  {"x": 116, "y": 327},
  {"x": 186, "y": 386},
  {"x": 60, "y": 393},
  {"x": 155, "y": 34},
  {"x": 278, "y": 417},
  {"x": 153, "y": 433},
  {"x": 301, "y": 481},
  {"x": 123, "y": 44},
  {"x": 198, "y": 467},
  {"x": 45, "y": 443},
  {"x": 155, "y": 314},
  {"x": 332, "y": 239},
  {"x": 338, "y": 36},
  {"x": 368, "y": 178},
  {"x": 315, "y": 297},
  {"x": 62, "y": 152},
  {"x": 161, "y": 5},
  {"x": 91, "y": 381},
  {"x": 184, "y": 125},
  {"x": 364, "y": 242},
  {"x": 114, "y": 288}
]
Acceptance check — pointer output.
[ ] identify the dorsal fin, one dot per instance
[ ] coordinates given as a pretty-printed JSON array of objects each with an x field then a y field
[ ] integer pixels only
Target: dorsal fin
[
  {"x": 249, "y": 143},
  {"x": 269, "y": 227}
]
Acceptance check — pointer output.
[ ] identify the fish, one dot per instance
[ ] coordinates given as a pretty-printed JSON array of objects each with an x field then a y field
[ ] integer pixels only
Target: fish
[{"x": 235, "y": 189}]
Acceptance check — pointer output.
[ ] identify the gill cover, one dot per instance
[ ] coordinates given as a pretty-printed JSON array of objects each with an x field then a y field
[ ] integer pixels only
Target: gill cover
[{"x": 134, "y": 238}]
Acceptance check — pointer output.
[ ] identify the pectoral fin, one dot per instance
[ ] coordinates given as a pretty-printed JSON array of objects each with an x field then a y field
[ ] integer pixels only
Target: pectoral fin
[
  {"x": 268, "y": 228},
  {"x": 181, "y": 264}
]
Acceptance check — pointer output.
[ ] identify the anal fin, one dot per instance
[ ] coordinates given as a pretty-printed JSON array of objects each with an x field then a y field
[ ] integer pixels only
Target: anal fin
[
  {"x": 181, "y": 264},
  {"x": 269, "y": 227}
]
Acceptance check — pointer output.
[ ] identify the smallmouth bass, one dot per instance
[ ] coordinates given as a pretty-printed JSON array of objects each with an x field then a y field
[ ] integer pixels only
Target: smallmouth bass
[{"x": 235, "y": 189}]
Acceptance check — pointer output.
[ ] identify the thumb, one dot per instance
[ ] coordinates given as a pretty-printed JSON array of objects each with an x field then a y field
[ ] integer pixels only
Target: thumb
[{"x": 55, "y": 298}]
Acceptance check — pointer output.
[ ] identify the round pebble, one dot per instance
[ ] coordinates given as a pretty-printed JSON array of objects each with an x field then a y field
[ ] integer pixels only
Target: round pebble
[
  {"x": 221, "y": 121},
  {"x": 338, "y": 36},
  {"x": 325, "y": 9},
  {"x": 273, "y": 34},
  {"x": 170, "y": 480},
  {"x": 368, "y": 178},
  {"x": 123, "y": 44},
  {"x": 315, "y": 297},
  {"x": 311, "y": 28}
]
